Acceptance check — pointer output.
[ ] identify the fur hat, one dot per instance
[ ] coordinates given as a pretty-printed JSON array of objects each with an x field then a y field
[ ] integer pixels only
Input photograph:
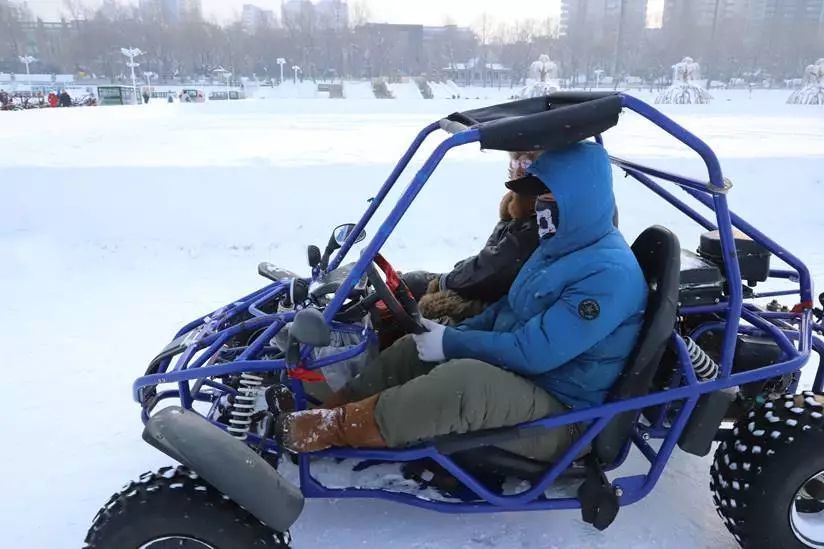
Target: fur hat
[
  {"x": 447, "y": 307},
  {"x": 516, "y": 206}
]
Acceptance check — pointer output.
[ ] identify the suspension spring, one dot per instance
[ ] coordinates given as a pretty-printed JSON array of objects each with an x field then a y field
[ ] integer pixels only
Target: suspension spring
[
  {"x": 243, "y": 407},
  {"x": 705, "y": 367}
]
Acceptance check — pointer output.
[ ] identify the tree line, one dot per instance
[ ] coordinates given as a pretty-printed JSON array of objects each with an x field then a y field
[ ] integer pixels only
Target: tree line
[{"x": 88, "y": 42}]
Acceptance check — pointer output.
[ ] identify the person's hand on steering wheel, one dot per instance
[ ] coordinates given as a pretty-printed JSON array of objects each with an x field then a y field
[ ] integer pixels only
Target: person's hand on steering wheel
[
  {"x": 430, "y": 343},
  {"x": 396, "y": 296}
]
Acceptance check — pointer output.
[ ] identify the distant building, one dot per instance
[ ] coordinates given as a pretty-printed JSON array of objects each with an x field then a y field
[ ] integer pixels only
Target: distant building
[
  {"x": 600, "y": 20},
  {"x": 388, "y": 47},
  {"x": 476, "y": 73},
  {"x": 702, "y": 14},
  {"x": 297, "y": 12},
  {"x": 435, "y": 33},
  {"x": 252, "y": 18},
  {"x": 170, "y": 11},
  {"x": 39, "y": 82},
  {"x": 332, "y": 14}
]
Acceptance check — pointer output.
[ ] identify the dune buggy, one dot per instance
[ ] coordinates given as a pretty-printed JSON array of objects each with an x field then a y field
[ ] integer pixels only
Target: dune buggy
[{"x": 715, "y": 363}]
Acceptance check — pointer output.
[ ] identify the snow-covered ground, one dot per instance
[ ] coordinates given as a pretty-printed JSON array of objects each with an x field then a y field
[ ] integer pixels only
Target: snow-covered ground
[{"x": 119, "y": 224}]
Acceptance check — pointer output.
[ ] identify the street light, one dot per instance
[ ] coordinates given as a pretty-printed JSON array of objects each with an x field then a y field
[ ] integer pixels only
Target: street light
[
  {"x": 131, "y": 53},
  {"x": 297, "y": 70},
  {"x": 598, "y": 73},
  {"x": 149, "y": 75},
  {"x": 28, "y": 60},
  {"x": 281, "y": 61}
]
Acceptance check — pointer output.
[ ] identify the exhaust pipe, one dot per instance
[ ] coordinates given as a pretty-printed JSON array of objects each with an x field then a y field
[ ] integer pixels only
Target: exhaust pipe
[{"x": 227, "y": 464}]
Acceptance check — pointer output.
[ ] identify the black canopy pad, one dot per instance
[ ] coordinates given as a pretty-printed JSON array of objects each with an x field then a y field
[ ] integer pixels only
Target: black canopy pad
[{"x": 543, "y": 123}]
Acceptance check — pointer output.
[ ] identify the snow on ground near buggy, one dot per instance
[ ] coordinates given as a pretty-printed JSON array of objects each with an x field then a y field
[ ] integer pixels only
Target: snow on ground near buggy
[{"x": 119, "y": 224}]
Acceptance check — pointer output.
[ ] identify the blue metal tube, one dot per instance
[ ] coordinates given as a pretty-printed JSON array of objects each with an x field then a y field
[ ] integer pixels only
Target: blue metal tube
[
  {"x": 261, "y": 340},
  {"x": 735, "y": 298},
  {"x": 775, "y": 293},
  {"x": 386, "y": 228},
  {"x": 704, "y": 309},
  {"x": 680, "y": 180},
  {"x": 387, "y": 186},
  {"x": 682, "y": 206},
  {"x": 783, "y": 273},
  {"x": 642, "y": 445},
  {"x": 681, "y": 134}
]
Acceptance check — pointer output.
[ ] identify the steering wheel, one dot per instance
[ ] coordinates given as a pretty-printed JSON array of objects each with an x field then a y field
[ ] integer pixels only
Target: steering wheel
[{"x": 395, "y": 296}]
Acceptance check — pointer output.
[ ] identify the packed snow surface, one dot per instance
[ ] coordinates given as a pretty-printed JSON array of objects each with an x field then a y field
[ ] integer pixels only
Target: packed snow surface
[{"x": 119, "y": 224}]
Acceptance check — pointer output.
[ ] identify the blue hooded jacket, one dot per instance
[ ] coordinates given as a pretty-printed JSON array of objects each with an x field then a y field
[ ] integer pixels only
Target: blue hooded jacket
[{"x": 573, "y": 314}]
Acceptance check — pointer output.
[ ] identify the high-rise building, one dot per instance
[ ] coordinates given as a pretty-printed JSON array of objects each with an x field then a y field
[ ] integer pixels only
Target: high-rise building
[
  {"x": 702, "y": 14},
  {"x": 602, "y": 19},
  {"x": 332, "y": 14},
  {"x": 170, "y": 11},
  {"x": 296, "y": 12},
  {"x": 252, "y": 17}
]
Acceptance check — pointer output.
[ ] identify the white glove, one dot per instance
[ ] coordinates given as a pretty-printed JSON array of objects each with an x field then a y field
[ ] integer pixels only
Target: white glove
[{"x": 430, "y": 344}]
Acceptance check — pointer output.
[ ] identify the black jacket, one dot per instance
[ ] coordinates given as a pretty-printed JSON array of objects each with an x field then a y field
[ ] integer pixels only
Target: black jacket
[{"x": 488, "y": 275}]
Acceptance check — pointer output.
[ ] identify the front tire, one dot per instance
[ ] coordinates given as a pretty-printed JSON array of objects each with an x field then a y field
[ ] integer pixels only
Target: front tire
[
  {"x": 176, "y": 508},
  {"x": 768, "y": 477}
]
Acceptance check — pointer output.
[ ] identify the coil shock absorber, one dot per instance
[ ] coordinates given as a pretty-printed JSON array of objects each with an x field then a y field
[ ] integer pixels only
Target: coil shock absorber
[
  {"x": 704, "y": 366},
  {"x": 243, "y": 407}
]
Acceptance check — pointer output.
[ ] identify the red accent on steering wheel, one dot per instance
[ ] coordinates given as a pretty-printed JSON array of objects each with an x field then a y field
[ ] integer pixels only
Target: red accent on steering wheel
[{"x": 393, "y": 281}]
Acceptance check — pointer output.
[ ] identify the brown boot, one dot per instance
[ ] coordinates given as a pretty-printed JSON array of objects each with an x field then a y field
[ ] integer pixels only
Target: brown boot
[{"x": 350, "y": 425}]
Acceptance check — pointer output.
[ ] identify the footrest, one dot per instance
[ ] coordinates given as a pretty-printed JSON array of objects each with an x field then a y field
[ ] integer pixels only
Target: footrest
[{"x": 599, "y": 504}]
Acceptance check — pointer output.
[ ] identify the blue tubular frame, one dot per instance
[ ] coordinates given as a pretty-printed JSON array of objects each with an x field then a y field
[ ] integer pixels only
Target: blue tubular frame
[{"x": 200, "y": 341}]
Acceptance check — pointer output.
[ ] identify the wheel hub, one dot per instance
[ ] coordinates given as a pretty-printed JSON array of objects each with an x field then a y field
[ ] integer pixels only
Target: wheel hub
[
  {"x": 807, "y": 512},
  {"x": 176, "y": 542}
]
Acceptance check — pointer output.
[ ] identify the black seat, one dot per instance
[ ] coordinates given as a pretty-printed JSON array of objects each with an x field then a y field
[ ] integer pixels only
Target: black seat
[{"x": 659, "y": 254}]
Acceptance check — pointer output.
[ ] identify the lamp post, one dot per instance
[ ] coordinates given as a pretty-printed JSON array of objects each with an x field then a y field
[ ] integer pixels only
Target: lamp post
[
  {"x": 598, "y": 73},
  {"x": 131, "y": 53},
  {"x": 281, "y": 62},
  {"x": 296, "y": 69},
  {"x": 149, "y": 75},
  {"x": 28, "y": 60}
]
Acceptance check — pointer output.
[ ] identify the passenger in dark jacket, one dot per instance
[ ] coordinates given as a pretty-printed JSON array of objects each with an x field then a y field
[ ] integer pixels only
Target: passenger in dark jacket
[{"x": 484, "y": 278}]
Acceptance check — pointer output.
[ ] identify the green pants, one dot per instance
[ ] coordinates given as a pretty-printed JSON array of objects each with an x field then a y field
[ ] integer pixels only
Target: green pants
[{"x": 422, "y": 400}]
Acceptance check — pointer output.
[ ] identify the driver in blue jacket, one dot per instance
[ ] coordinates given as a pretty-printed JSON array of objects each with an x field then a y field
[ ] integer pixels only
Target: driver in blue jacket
[{"x": 557, "y": 341}]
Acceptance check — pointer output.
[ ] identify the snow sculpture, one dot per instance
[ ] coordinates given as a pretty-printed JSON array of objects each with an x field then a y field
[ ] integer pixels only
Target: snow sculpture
[
  {"x": 813, "y": 91},
  {"x": 542, "y": 79},
  {"x": 684, "y": 89}
]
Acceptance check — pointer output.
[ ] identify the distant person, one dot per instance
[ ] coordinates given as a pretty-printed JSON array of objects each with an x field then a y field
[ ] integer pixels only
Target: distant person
[
  {"x": 171, "y": 98},
  {"x": 65, "y": 100},
  {"x": 52, "y": 99},
  {"x": 146, "y": 97}
]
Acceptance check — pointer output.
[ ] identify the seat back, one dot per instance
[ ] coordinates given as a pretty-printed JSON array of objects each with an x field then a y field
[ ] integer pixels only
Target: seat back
[{"x": 659, "y": 254}]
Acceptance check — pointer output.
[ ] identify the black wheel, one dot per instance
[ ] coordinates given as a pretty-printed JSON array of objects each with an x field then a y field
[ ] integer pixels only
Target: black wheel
[
  {"x": 176, "y": 508},
  {"x": 767, "y": 479}
]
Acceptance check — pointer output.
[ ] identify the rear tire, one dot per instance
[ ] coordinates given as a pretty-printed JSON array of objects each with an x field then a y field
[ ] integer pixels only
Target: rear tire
[
  {"x": 767, "y": 478},
  {"x": 176, "y": 508}
]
